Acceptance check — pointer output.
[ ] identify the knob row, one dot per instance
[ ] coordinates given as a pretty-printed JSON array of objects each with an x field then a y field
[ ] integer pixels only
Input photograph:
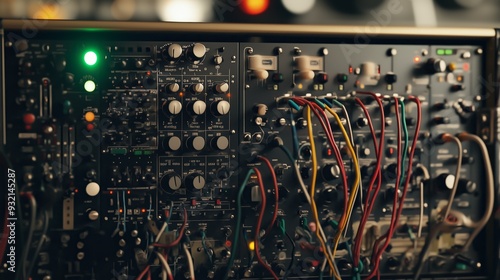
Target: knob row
[
  {"x": 197, "y": 88},
  {"x": 172, "y": 181},
  {"x": 195, "y": 143},
  {"x": 198, "y": 107}
]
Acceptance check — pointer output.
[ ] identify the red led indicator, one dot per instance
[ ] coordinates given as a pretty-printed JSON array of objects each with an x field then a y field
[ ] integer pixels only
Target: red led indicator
[
  {"x": 110, "y": 192},
  {"x": 466, "y": 67},
  {"x": 143, "y": 210},
  {"x": 128, "y": 192},
  {"x": 228, "y": 243},
  {"x": 378, "y": 69},
  {"x": 350, "y": 69},
  {"x": 416, "y": 59}
]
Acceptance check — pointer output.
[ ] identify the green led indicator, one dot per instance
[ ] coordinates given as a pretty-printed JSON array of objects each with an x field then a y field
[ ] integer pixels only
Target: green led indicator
[
  {"x": 440, "y": 52},
  {"x": 90, "y": 58},
  {"x": 448, "y": 51},
  {"x": 89, "y": 86}
]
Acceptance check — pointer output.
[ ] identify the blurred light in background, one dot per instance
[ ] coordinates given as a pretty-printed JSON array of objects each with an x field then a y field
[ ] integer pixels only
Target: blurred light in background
[
  {"x": 254, "y": 7},
  {"x": 185, "y": 10},
  {"x": 123, "y": 9},
  {"x": 298, "y": 6},
  {"x": 46, "y": 11}
]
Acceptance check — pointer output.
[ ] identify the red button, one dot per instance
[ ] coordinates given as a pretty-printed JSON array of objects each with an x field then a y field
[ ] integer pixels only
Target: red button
[{"x": 29, "y": 118}]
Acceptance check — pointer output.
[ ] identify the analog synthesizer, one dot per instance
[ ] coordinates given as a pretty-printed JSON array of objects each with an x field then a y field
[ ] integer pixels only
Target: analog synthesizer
[{"x": 247, "y": 151}]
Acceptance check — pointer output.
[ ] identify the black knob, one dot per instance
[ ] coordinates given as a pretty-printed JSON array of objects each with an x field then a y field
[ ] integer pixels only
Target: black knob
[
  {"x": 330, "y": 172},
  {"x": 342, "y": 78},
  {"x": 391, "y": 171},
  {"x": 392, "y": 264},
  {"x": 277, "y": 77},
  {"x": 466, "y": 186},
  {"x": 361, "y": 122},
  {"x": 391, "y": 78},
  {"x": 330, "y": 194},
  {"x": 321, "y": 78}
]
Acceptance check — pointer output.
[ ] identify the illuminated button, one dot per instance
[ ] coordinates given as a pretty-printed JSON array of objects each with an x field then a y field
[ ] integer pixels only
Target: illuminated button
[
  {"x": 89, "y": 86},
  {"x": 29, "y": 118},
  {"x": 90, "y": 58},
  {"x": 89, "y": 116},
  {"x": 251, "y": 245}
]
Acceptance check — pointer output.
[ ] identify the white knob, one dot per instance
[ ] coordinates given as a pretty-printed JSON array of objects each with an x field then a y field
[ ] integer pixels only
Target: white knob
[
  {"x": 174, "y": 87},
  {"x": 199, "y": 107},
  {"x": 198, "y": 51},
  {"x": 196, "y": 143},
  {"x": 261, "y": 74},
  {"x": 174, "y": 51},
  {"x": 93, "y": 215},
  {"x": 198, "y": 88},
  {"x": 306, "y": 75},
  {"x": 174, "y": 143},
  {"x": 222, "y": 108},
  {"x": 174, "y": 107},
  {"x": 222, "y": 87},
  {"x": 92, "y": 189}
]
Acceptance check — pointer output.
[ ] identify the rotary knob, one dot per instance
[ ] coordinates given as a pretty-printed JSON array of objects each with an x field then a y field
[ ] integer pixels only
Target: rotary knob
[
  {"x": 172, "y": 88},
  {"x": 260, "y": 109},
  {"x": 330, "y": 194},
  {"x": 330, "y": 172},
  {"x": 222, "y": 87},
  {"x": 218, "y": 60},
  {"x": 197, "y": 107},
  {"x": 435, "y": 65},
  {"x": 93, "y": 215},
  {"x": 195, "y": 143},
  {"x": 197, "y": 88},
  {"x": 221, "y": 107},
  {"x": 173, "y": 143},
  {"x": 219, "y": 143},
  {"x": 173, "y": 51},
  {"x": 170, "y": 182},
  {"x": 174, "y": 107},
  {"x": 195, "y": 181},
  {"x": 197, "y": 51}
]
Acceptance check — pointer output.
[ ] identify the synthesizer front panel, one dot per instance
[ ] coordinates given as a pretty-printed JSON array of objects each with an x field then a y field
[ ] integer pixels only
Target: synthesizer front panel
[{"x": 172, "y": 153}]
